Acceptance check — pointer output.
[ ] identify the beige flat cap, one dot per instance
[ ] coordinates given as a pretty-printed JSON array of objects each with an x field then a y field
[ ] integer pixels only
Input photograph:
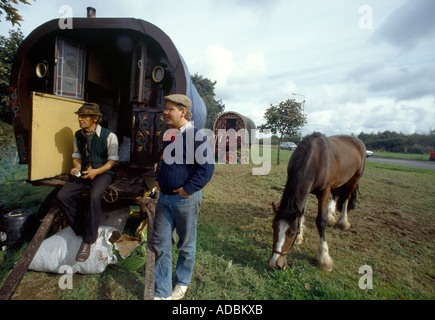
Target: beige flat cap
[{"x": 180, "y": 99}]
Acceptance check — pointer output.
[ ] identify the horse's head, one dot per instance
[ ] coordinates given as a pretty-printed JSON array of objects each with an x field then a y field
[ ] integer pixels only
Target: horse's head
[{"x": 285, "y": 230}]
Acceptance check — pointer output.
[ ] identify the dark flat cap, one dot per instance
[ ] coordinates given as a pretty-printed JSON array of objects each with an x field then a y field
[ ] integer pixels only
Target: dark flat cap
[{"x": 88, "y": 108}]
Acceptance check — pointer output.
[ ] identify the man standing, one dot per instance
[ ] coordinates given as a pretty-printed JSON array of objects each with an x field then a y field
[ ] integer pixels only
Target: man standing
[
  {"x": 185, "y": 171},
  {"x": 95, "y": 155}
]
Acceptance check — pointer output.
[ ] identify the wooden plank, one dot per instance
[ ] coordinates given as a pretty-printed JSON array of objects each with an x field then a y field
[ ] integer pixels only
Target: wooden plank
[
  {"x": 49, "y": 136},
  {"x": 20, "y": 268}
]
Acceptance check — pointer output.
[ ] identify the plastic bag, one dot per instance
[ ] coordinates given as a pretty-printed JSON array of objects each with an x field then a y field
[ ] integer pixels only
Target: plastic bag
[{"x": 61, "y": 250}]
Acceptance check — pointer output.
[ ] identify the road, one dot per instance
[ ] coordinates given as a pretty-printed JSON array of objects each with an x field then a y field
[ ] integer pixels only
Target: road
[{"x": 405, "y": 163}]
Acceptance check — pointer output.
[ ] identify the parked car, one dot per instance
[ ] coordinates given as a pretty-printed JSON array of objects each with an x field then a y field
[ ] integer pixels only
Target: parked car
[
  {"x": 287, "y": 146},
  {"x": 432, "y": 156},
  {"x": 369, "y": 153}
]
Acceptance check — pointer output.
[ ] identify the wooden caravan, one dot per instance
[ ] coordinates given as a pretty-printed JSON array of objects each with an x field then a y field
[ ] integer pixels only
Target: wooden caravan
[
  {"x": 125, "y": 65},
  {"x": 233, "y": 137}
]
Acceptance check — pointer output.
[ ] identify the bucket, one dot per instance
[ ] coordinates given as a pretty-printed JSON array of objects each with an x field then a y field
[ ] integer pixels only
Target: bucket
[{"x": 16, "y": 227}]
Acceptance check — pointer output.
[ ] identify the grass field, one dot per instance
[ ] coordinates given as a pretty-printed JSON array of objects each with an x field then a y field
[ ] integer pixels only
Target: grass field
[{"x": 392, "y": 232}]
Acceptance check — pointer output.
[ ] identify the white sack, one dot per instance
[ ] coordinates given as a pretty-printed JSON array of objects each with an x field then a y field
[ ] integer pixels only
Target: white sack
[{"x": 61, "y": 250}]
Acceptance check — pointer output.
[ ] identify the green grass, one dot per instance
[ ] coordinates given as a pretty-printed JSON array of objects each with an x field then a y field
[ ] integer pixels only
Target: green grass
[
  {"x": 392, "y": 231},
  {"x": 16, "y": 192},
  {"x": 237, "y": 228}
]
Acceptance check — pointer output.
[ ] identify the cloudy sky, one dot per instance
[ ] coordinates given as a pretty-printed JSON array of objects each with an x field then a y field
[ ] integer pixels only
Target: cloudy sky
[{"x": 359, "y": 65}]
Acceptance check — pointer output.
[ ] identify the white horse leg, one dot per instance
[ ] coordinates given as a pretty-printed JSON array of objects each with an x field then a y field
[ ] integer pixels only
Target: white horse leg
[
  {"x": 332, "y": 218},
  {"x": 324, "y": 260},
  {"x": 300, "y": 236},
  {"x": 343, "y": 223}
]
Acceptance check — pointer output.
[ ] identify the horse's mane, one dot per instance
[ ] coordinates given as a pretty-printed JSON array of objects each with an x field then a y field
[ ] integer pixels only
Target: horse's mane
[
  {"x": 299, "y": 156},
  {"x": 295, "y": 191}
]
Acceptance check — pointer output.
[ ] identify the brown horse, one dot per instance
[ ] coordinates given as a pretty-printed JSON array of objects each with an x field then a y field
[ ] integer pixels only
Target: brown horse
[{"x": 322, "y": 166}]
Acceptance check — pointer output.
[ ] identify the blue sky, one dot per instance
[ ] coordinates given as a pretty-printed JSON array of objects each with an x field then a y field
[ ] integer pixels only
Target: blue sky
[{"x": 360, "y": 66}]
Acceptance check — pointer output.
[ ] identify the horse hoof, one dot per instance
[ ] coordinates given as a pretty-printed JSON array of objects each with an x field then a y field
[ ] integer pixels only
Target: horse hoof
[
  {"x": 325, "y": 262},
  {"x": 344, "y": 225},
  {"x": 326, "y": 268},
  {"x": 326, "y": 265},
  {"x": 331, "y": 223}
]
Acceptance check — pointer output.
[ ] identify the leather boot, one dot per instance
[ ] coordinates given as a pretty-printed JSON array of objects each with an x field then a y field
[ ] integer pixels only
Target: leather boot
[{"x": 84, "y": 252}]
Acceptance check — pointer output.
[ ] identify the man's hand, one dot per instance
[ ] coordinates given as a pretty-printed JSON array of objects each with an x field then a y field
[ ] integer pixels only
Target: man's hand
[
  {"x": 77, "y": 166},
  {"x": 182, "y": 193},
  {"x": 75, "y": 172},
  {"x": 90, "y": 174}
]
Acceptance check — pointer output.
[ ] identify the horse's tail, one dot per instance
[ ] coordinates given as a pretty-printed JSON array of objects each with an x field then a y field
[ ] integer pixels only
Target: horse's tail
[{"x": 352, "y": 200}]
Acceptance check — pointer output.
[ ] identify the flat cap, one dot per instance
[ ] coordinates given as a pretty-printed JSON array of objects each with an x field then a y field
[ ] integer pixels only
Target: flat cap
[
  {"x": 89, "y": 109},
  {"x": 180, "y": 99}
]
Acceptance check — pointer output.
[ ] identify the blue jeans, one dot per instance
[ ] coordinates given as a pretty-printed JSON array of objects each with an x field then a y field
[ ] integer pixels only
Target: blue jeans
[{"x": 173, "y": 212}]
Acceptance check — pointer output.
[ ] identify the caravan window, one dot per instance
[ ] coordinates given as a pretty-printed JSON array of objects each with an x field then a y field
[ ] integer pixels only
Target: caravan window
[{"x": 70, "y": 69}]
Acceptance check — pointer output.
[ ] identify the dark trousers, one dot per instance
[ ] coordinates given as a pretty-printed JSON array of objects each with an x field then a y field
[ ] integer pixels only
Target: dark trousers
[{"x": 82, "y": 223}]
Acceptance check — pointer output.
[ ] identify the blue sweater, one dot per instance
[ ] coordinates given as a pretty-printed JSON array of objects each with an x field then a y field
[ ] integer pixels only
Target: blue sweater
[{"x": 187, "y": 162}]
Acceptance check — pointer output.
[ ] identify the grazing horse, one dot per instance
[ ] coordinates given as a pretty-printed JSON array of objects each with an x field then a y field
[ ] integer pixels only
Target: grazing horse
[{"x": 322, "y": 166}]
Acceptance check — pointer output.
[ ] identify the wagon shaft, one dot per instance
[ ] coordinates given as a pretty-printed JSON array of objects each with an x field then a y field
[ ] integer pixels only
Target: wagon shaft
[{"x": 20, "y": 268}]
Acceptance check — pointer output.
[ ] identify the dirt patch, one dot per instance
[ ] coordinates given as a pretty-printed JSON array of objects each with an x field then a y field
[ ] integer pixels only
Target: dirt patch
[
  {"x": 393, "y": 223},
  {"x": 38, "y": 286}
]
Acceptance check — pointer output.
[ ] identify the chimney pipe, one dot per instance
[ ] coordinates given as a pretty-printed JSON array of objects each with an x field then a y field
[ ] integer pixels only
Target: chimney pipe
[{"x": 91, "y": 12}]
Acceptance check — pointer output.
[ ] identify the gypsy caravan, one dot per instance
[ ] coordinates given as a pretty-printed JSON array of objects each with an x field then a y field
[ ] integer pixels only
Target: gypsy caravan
[
  {"x": 126, "y": 66},
  {"x": 232, "y": 133}
]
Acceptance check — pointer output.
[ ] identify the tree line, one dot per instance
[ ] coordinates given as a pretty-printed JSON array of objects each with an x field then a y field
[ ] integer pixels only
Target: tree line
[
  {"x": 391, "y": 141},
  {"x": 386, "y": 141}
]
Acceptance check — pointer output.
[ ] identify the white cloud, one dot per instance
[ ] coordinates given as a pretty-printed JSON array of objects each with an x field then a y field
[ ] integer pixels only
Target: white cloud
[
  {"x": 233, "y": 76},
  {"x": 404, "y": 116},
  {"x": 260, "y": 52},
  {"x": 219, "y": 64}
]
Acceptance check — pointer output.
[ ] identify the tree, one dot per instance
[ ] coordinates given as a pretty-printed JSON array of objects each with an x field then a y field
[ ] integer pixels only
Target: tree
[
  {"x": 11, "y": 12},
  {"x": 285, "y": 118},
  {"x": 8, "y": 49},
  {"x": 390, "y": 141},
  {"x": 205, "y": 89}
]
